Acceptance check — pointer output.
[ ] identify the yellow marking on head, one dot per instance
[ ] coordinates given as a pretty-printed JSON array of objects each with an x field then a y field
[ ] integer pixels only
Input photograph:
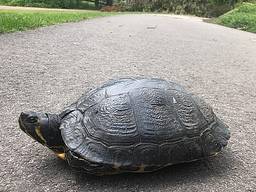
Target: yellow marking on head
[
  {"x": 141, "y": 168},
  {"x": 61, "y": 155},
  {"x": 39, "y": 134},
  {"x": 214, "y": 154}
]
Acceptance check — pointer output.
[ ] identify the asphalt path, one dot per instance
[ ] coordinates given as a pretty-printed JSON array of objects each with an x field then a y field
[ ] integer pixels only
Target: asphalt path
[{"x": 48, "y": 68}]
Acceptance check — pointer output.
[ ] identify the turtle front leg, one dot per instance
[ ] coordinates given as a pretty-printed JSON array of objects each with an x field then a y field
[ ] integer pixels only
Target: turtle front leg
[{"x": 61, "y": 155}]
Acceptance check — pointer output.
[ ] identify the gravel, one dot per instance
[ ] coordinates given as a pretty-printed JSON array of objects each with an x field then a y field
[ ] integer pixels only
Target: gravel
[{"x": 48, "y": 68}]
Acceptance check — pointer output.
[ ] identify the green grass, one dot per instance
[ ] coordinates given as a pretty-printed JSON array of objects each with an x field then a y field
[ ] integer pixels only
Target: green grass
[
  {"x": 19, "y": 20},
  {"x": 242, "y": 17},
  {"x": 67, "y": 4}
]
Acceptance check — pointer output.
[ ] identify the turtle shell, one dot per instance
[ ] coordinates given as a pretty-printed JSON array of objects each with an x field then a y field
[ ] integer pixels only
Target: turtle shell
[{"x": 135, "y": 124}]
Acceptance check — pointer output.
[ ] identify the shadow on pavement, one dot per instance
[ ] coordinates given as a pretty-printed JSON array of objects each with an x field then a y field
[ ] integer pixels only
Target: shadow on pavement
[{"x": 194, "y": 172}]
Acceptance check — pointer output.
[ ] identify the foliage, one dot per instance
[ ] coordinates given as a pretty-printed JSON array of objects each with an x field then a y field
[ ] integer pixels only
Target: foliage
[
  {"x": 68, "y": 4},
  {"x": 242, "y": 17},
  {"x": 197, "y": 7},
  {"x": 113, "y": 8},
  {"x": 19, "y": 20}
]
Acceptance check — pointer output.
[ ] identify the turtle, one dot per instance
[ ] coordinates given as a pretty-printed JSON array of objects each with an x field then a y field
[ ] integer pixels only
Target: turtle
[{"x": 139, "y": 124}]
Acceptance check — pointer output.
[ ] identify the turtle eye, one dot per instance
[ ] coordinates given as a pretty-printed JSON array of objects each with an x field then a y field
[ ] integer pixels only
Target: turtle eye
[
  {"x": 217, "y": 146},
  {"x": 32, "y": 119}
]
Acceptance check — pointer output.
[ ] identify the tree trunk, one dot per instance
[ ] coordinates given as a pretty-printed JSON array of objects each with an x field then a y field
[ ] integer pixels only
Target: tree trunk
[
  {"x": 97, "y": 3},
  {"x": 109, "y": 2}
]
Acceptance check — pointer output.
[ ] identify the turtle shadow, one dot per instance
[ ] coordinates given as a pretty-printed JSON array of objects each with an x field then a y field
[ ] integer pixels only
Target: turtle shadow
[
  {"x": 193, "y": 173},
  {"x": 185, "y": 173}
]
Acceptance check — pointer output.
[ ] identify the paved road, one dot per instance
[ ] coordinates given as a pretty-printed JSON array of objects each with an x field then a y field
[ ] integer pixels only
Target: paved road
[{"x": 46, "y": 69}]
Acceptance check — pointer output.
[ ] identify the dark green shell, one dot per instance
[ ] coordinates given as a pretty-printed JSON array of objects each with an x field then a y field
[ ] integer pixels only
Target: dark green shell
[{"x": 135, "y": 125}]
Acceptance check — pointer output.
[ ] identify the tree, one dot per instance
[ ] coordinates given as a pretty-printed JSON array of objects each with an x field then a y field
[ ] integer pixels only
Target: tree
[
  {"x": 97, "y": 3},
  {"x": 109, "y": 2}
]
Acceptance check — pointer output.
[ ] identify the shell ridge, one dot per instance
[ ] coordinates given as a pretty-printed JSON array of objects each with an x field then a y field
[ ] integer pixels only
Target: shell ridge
[{"x": 138, "y": 125}]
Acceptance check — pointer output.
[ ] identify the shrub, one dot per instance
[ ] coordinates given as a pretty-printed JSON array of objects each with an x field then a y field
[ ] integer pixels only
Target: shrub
[{"x": 207, "y": 8}]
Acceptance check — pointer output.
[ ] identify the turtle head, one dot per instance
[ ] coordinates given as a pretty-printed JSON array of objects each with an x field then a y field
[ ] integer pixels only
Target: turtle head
[
  {"x": 215, "y": 138},
  {"x": 43, "y": 128}
]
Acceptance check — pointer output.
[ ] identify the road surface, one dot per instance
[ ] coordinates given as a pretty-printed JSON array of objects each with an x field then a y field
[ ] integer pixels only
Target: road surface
[{"x": 48, "y": 68}]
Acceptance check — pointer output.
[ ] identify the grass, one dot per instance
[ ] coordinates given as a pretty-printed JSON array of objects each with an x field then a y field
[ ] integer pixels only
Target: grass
[
  {"x": 242, "y": 17},
  {"x": 20, "y": 20},
  {"x": 68, "y": 4}
]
